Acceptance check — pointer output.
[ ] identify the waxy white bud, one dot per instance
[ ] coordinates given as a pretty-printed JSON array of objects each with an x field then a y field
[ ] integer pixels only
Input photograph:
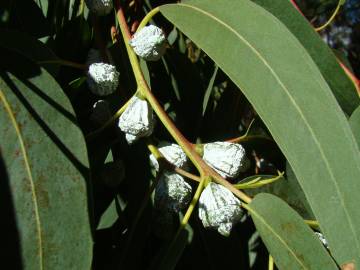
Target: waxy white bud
[
  {"x": 172, "y": 153},
  {"x": 172, "y": 192},
  {"x": 103, "y": 79},
  {"x": 137, "y": 120},
  {"x": 322, "y": 239},
  {"x": 228, "y": 159},
  {"x": 100, "y": 7},
  {"x": 149, "y": 43},
  {"x": 219, "y": 208}
]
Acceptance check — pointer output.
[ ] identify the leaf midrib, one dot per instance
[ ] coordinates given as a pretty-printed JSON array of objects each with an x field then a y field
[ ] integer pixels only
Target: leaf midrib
[
  {"x": 258, "y": 54},
  {"x": 260, "y": 218},
  {"x": 28, "y": 170}
]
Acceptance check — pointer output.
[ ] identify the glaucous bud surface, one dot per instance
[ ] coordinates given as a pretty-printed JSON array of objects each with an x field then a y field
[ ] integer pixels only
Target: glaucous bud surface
[
  {"x": 149, "y": 43},
  {"x": 228, "y": 159},
  {"x": 137, "y": 120},
  {"x": 172, "y": 153},
  {"x": 172, "y": 192},
  {"x": 103, "y": 79},
  {"x": 219, "y": 208}
]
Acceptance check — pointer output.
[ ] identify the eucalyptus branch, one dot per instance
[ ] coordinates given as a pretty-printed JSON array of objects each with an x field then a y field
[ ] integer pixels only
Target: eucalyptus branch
[{"x": 204, "y": 170}]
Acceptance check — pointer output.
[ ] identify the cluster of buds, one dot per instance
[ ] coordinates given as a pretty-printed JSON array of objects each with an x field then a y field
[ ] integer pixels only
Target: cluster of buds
[
  {"x": 219, "y": 208},
  {"x": 103, "y": 79},
  {"x": 137, "y": 120},
  {"x": 227, "y": 159},
  {"x": 172, "y": 193},
  {"x": 173, "y": 153},
  {"x": 100, "y": 7},
  {"x": 149, "y": 43}
]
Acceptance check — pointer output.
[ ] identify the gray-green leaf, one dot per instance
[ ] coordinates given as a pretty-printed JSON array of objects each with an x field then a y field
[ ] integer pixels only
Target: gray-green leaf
[{"x": 278, "y": 76}]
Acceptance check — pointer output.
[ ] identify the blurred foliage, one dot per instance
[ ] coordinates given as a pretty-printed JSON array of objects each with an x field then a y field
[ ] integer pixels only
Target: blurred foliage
[{"x": 343, "y": 34}]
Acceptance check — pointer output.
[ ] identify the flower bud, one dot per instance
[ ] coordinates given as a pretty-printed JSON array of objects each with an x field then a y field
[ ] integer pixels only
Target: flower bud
[
  {"x": 100, "y": 7},
  {"x": 137, "y": 120},
  {"x": 172, "y": 153},
  {"x": 149, "y": 43},
  {"x": 172, "y": 192},
  {"x": 228, "y": 159},
  {"x": 102, "y": 79},
  {"x": 100, "y": 113},
  {"x": 219, "y": 208},
  {"x": 322, "y": 239}
]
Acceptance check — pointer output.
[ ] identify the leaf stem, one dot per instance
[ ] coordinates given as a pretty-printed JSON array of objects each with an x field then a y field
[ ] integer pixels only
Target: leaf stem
[
  {"x": 331, "y": 18},
  {"x": 271, "y": 263},
  {"x": 191, "y": 207},
  {"x": 148, "y": 17},
  {"x": 312, "y": 223},
  {"x": 255, "y": 183}
]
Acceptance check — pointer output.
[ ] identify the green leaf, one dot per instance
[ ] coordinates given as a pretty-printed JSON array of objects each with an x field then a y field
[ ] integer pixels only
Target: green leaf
[
  {"x": 340, "y": 84},
  {"x": 289, "y": 240},
  {"x": 287, "y": 189},
  {"x": 355, "y": 124},
  {"x": 46, "y": 162},
  {"x": 171, "y": 255},
  {"x": 209, "y": 90},
  {"x": 111, "y": 214},
  {"x": 281, "y": 80}
]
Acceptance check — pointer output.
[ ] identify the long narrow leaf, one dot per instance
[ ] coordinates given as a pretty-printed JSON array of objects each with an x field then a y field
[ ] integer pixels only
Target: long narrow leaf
[
  {"x": 285, "y": 86},
  {"x": 289, "y": 240},
  {"x": 46, "y": 164},
  {"x": 340, "y": 84}
]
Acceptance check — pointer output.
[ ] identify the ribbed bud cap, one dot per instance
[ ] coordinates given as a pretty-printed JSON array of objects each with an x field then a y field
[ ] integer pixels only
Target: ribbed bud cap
[
  {"x": 172, "y": 192},
  {"x": 137, "y": 120},
  {"x": 228, "y": 159},
  {"x": 149, "y": 43},
  {"x": 103, "y": 79},
  {"x": 219, "y": 208},
  {"x": 172, "y": 153}
]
